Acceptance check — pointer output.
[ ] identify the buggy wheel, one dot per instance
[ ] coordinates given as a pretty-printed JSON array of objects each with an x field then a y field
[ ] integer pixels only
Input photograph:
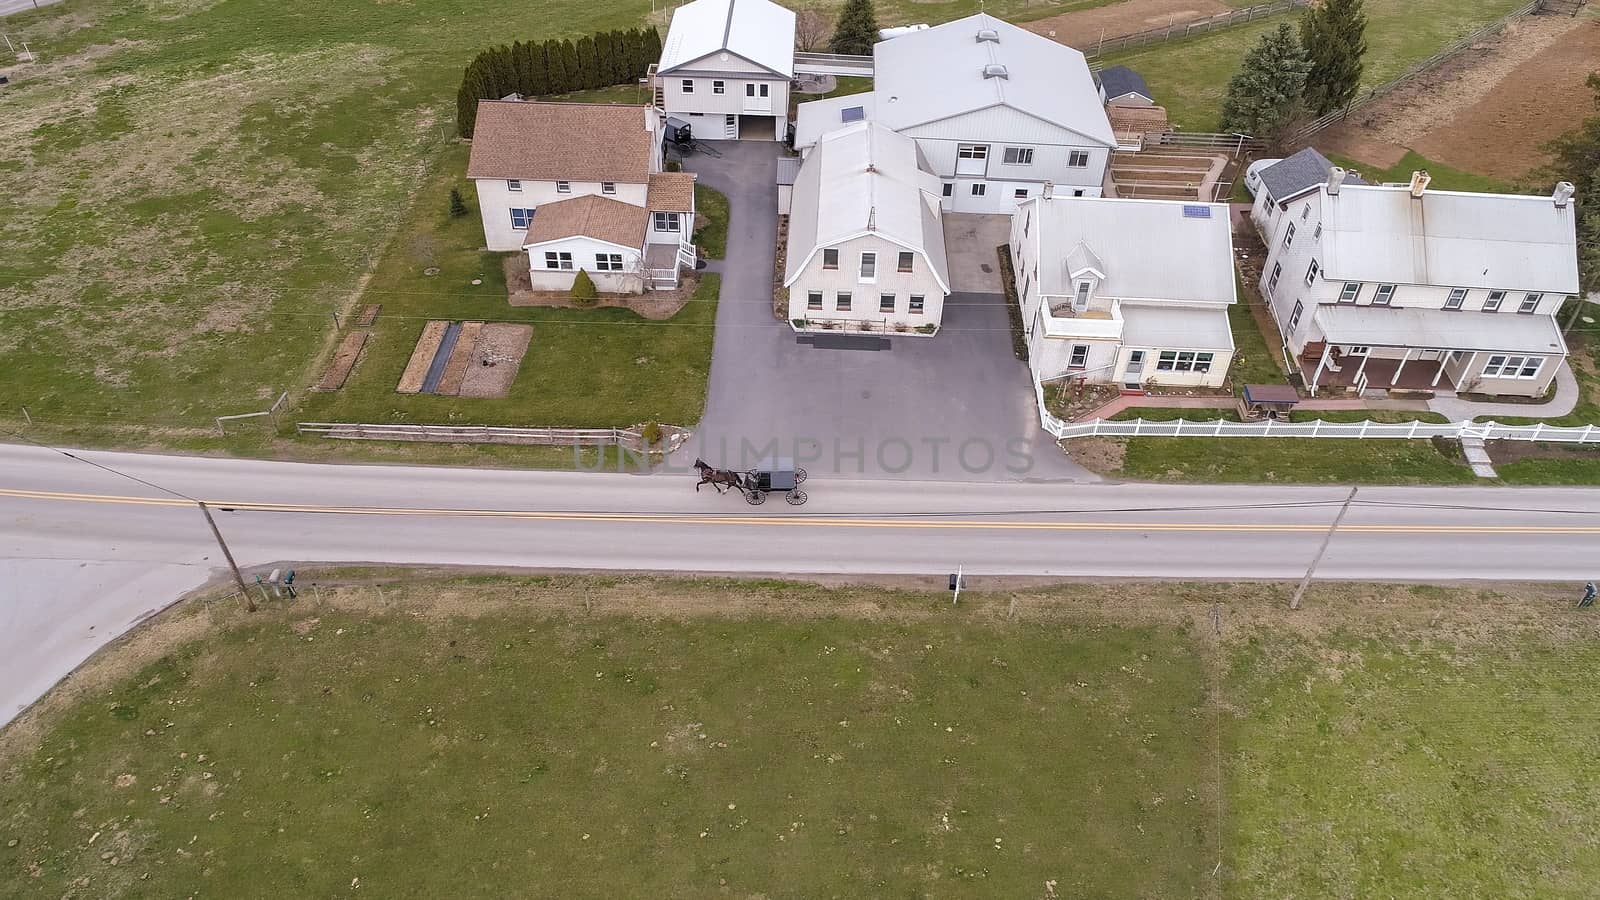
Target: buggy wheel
[
  {"x": 795, "y": 497},
  {"x": 755, "y": 498},
  {"x": 799, "y": 475}
]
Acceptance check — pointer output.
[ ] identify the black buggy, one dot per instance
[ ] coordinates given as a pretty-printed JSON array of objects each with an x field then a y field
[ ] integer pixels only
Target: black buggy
[{"x": 774, "y": 475}]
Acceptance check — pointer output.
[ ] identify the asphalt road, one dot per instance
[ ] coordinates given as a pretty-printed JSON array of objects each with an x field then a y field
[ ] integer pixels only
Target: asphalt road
[
  {"x": 86, "y": 553},
  {"x": 7, "y": 7}
]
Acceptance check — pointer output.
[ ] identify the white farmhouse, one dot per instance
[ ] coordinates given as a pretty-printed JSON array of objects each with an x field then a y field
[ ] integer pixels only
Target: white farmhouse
[
  {"x": 1125, "y": 291},
  {"x": 1379, "y": 287},
  {"x": 580, "y": 186},
  {"x": 998, "y": 112},
  {"x": 725, "y": 68},
  {"x": 866, "y": 242}
]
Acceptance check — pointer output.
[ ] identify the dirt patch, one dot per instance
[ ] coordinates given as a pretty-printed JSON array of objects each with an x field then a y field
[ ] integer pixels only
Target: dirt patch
[
  {"x": 496, "y": 360},
  {"x": 1507, "y": 452},
  {"x": 461, "y": 356},
  {"x": 1487, "y": 109},
  {"x": 343, "y": 361},
  {"x": 422, "y": 358},
  {"x": 655, "y": 305},
  {"x": 1103, "y": 456},
  {"x": 369, "y": 314},
  {"x": 1084, "y": 28}
]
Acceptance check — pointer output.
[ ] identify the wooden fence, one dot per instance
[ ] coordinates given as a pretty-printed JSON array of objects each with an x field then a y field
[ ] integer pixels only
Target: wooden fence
[
  {"x": 1180, "y": 30},
  {"x": 1339, "y": 115}
]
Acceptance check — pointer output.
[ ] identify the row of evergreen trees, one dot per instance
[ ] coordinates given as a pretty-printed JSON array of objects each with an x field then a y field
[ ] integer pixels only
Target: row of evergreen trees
[
  {"x": 554, "y": 67},
  {"x": 1288, "y": 78}
]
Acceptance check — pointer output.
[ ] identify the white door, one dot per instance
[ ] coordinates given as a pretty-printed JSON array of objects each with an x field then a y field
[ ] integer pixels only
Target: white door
[
  {"x": 758, "y": 98},
  {"x": 1135, "y": 371}
]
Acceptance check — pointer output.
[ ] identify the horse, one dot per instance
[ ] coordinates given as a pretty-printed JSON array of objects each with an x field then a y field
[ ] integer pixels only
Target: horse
[{"x": 721, "y": 479}]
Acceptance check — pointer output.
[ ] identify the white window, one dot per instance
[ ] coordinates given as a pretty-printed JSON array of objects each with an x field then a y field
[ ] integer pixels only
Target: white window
[
  {"x": 1305, "y": 212},
  {"x": 905, "y": 261},
  {"x": 1513, "y": 367},
  {"x": 1457, "y": 297},
  {"x": 1294, "y": 317},
  {"x": 1350, "y": 291},
  {"x": 563, "y": 187},
  {"x": 558, "y": 261},
  {"x": 1530, "y": 302},
  {"x": 1288, "y": 235},
  {"x": 1080, "y": 356},
  {"x": 608, "y": 187},
  {"x": 830, "y": 258},
  {"x": 608, "y": 262},
  {"x": 1078, "y": 193},
  {"x": 814, "y": 300},
  {"x": 869, "y": 266},
  {"x": 1492, "y": 302},
  {"x": 972, "y": 151},
  {"x": 1384, "y": 296},
  {"x": 520, "y": 218},
  {"x": 979, "y": 189},
  {"x": 514, "y": 184},
  {"x": 1317, "y": 234},
  {"x": 886, "y": 303},
  {"x": 949, "y": 189},
  {"x": 1311, "y": 272},
  {"x": 841, "y": 301},
  {"x": 1183, "y": 361},
  {"x": 1078, "y": 159},
  {"x": 719, "y": 87},
  {"x": 1272, "y": 283},
  {"x": 1080, "y": 300},
  {"x": 1019, "y": 156},
  {"x": 916, "y": 305},
  {"x": 688, "y": 85},
  {"x": 1020, "y": 193},
  {"x": 666, "y": 221},
  {"x": 1358, "y": 351}
]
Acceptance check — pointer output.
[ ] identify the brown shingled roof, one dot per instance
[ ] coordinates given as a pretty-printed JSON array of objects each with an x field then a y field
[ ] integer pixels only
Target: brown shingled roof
[
  {"x": 591, "y": 216},
  {"x": 561, "y": 141},
  {"x": 671, "y": 192}
]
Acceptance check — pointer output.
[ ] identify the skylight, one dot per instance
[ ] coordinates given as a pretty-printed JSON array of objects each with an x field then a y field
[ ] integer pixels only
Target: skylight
[{"x": 852, "y": 114}]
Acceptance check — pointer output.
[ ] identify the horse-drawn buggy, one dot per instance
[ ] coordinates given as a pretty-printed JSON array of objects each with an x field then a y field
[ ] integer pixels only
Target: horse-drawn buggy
[{"x": 775, "y": 475}]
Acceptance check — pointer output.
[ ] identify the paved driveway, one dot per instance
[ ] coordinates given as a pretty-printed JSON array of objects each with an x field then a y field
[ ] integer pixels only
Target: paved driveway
[{"x": 958, "y": 406}]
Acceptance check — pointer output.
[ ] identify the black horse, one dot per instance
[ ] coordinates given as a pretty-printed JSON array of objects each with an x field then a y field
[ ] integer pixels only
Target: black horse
[{"x": 721, "y": 479}]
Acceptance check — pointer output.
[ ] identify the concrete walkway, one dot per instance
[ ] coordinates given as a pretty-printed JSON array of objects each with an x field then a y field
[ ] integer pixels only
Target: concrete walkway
[{"x": 1565, "y": 401}]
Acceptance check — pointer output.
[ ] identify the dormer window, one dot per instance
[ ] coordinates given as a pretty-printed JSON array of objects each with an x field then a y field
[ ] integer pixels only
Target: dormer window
[{"x": 1080, "y": 300}]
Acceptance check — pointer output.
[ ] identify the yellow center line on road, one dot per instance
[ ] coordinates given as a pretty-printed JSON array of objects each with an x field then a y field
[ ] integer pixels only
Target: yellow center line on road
[{"x": 807, "y": 521}]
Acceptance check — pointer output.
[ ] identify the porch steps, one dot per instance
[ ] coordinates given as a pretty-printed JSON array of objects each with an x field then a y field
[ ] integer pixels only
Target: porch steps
[{"x": 1478, "y": 457}]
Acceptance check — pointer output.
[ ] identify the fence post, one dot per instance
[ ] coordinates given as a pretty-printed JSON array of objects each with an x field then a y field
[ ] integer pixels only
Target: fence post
[
  {"x": 1316, "y": 427},
  {"x": 1364, "y": 424},
  {"x": 1136, "y": 423},
  {"x": 1538, "y": 429},
  {"x": 1219, "y": 429},
  {"x": 1414, "y": 424},
  {"x": 1587, "y": 432}
]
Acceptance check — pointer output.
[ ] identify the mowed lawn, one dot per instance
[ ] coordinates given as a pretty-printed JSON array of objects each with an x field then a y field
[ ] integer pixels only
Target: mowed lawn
[
  {"x": 630, "y": 737},
  {"x": 1190, "y": 77}
]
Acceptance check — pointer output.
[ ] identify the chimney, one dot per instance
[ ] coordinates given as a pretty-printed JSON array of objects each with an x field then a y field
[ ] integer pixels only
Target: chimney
[
  {"x": 1335, "y": 180},
  {"x": 650, "y": 120},
  {"x": 1049, "y": 192},
  {"x": 1563, "y": 194},
  {"x": 1419, "y": 183}
]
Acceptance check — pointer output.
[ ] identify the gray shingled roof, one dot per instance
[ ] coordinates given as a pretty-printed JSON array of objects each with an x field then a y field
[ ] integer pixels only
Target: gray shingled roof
[
  {"x": 1299, "y": 173},
  {"x": 1119, "y": 80}
]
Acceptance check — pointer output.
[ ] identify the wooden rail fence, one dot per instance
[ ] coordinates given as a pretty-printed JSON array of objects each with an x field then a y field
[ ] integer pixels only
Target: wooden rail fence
[{"x": 1180, "y": 30}]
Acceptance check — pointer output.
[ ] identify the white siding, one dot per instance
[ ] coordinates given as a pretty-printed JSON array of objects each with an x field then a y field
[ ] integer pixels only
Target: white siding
[
  {"x": 496, "y": 200},
  {"x": 865, "y": 296},
  {"x": 583, "y": 251},
  {"x": 704, "y": 101}
]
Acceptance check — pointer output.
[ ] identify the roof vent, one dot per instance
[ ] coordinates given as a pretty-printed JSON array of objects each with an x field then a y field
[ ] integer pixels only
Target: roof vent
[
  {"x": 1564, "y": 192},
  {"x": 995, "y": 70},
  {"x": 989, "y": 35}
]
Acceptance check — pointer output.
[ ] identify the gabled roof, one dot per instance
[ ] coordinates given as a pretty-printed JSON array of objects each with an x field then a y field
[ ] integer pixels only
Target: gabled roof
[
  {"x": 1147, "y": 249},
  {"x": 948, "y": 71},
  {"x": 590, "y": 216},
  {"x": 865, "y": 180},
  {"x": 1120, "y": 80},
  {"x": 1082, "y": 260},
  {"x": 1294, "y": 175},
  {"x": 670, "y": 192},
  {"x": 757, "y": 30},
  {"x": 538, "y": 142},
  {"x": 815, "y": 118},
  {"x": 1382, "y": 234}
]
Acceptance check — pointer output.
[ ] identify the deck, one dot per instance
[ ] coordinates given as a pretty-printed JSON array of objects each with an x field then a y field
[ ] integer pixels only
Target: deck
[{"x": 1417, "y": 375}]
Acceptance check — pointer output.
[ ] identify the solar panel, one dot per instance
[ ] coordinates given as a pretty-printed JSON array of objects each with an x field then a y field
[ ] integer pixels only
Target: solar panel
[
  {"x": 853, "y": 113},
  {"x": 1196, "y": 212}
]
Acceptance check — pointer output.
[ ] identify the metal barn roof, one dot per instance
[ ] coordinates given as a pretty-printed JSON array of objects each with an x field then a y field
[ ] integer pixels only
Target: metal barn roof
[
  {"x": 1148, "y": 249},
  {"x": 1382, "y": 234},
  {"x": 1378, "y": 326},
  {"x": 757, "y": 30},
  {"x": 861, "y": 180},
  {"x": 940, "y": 73},
  {"x": 816, "y": 118}
]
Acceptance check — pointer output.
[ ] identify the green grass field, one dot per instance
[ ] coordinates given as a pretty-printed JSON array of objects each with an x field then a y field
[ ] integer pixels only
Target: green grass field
[
  {"x": 1190, "y": 77},
  {"x": 641, "y": 738}
]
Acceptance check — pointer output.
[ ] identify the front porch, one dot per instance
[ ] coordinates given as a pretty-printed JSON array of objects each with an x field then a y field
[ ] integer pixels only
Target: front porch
[
  {"x": 663, "y": 263},
  {"x": 1357, "y": 371}
]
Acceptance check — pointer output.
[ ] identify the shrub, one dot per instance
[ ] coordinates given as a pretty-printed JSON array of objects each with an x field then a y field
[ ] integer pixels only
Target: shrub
[
  {"x": 650, "y": 433},
  {"x": 457, "y": 207},
  {"x": 583, "y": 289}
]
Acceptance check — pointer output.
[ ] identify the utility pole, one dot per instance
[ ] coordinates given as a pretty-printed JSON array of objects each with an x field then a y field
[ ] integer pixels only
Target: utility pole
[
  {"x": 249, "y": 602},
  {"x": 1326, "y": 540}
]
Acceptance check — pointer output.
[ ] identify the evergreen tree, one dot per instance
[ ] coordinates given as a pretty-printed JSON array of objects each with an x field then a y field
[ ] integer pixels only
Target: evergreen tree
[
  {"x": 519, "y": 64},
  {"x": 584, "y": 292},
  {"x": 466, "y": 107},
  {"x": 638, "y": 56},
  {"x": 652, "y": 46},
  {"x": 1576, "y": 158},
  {"x": 1334, "y": 37},
  {"x": 613, "y": 56},
  {"x": 1264, "y": 96},
  {"x": 857, "y": 30},
  {"x": 569, "y": 65},
  {"x": 556, "y": 65},
  {"x": 538, "y": 71},
  {"x": 588, "y": 70},
  {"x": 458, "y": 208}
]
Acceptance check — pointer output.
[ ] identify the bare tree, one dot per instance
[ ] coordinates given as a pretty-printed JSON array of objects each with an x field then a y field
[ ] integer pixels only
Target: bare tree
[{"x": 813, "y": 24}]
